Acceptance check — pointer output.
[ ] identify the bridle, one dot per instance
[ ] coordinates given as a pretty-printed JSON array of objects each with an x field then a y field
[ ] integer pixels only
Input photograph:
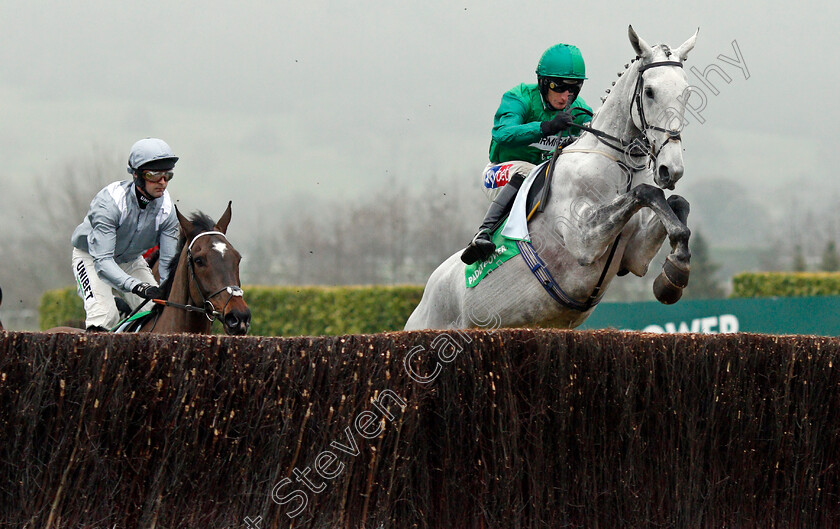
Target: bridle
[
  {"x": 673, "y": 135},
  {"x": 642, "y": 145},
  {"x": 208, "y": 309}
]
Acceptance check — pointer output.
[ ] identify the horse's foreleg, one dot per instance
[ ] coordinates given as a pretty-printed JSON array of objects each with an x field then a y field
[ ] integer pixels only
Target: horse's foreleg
[
  {"x": 589, "y": 236},
  {"x": 648, "y": 239},
  {"x": 601, "y": 225},
  {"x": 669, "y": 284}
]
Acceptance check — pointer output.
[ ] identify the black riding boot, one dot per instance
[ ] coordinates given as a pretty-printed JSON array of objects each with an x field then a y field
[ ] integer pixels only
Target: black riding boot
[{"x": 482, "y": 247}]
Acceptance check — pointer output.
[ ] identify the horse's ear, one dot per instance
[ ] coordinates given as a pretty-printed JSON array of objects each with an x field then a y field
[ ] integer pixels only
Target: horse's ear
[
  {"x": 641, "y": 47},
  {"x": 224, "y": 220},
  {"x": 687, "y": 46},
  {"x": 186, "y": 225}
]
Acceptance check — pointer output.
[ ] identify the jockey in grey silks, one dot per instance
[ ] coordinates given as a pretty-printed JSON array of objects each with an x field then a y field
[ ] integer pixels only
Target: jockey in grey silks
[{"x": 125, "y": 219}]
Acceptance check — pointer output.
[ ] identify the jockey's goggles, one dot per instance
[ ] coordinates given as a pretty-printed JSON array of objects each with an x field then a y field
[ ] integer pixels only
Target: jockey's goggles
[
  {"x": 563, "y": 85},
  {"x": 155, "y": 176}
]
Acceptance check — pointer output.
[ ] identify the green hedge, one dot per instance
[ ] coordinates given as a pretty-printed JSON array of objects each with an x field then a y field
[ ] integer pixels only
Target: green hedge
[
  {"x": 61, "y": 307},
  {"x": 785, "y": 284},
  {"x": 315, "y": 311},
  {"x": 287, "y": 311}
]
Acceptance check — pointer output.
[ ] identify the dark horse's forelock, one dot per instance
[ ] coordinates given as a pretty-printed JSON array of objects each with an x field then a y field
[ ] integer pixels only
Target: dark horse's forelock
[{"x": 201, "y": 222}]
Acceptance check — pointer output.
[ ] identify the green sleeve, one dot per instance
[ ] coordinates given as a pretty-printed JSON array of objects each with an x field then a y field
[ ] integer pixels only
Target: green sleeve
[{"x": 510, "y": 126}]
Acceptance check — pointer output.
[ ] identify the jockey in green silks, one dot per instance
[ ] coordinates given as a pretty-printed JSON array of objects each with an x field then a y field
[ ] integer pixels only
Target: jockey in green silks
[{"x": 532, "y": 120}]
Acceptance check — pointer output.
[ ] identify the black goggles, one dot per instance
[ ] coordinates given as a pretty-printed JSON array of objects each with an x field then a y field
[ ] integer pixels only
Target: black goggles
[{"x": 563, "y": 85}]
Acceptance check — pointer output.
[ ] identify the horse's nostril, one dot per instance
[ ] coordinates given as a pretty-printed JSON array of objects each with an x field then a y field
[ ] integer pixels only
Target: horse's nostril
[
  {"x": 238, "y": 321},
  {"x": 231, "y": 320},
  {"x": 664, "y": 174}
]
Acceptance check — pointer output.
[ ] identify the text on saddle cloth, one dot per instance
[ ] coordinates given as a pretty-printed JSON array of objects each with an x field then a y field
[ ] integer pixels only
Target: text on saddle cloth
[{"x": 505, "y": 250}]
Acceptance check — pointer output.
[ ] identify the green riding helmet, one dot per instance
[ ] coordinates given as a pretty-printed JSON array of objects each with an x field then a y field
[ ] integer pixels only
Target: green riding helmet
[{"x": 562, "y": 60}]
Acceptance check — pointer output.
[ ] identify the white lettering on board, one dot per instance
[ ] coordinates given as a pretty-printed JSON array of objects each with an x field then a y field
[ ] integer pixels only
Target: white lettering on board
[{"x": 723, "y": 324}]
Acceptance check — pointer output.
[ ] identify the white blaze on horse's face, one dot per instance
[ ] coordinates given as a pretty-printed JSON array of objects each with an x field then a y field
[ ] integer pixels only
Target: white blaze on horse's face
[{"x": 220, "y": 247}]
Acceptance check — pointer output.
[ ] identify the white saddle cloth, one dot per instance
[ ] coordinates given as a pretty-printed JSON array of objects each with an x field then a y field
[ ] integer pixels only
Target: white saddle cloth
[{"x": 517, "y": 224}]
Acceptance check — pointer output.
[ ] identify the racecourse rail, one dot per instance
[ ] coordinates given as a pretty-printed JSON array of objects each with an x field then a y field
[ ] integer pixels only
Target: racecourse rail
[{"x": 459, "y": 429}]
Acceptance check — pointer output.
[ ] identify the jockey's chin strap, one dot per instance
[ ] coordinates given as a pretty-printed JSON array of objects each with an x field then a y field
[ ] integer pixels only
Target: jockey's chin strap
[{"x": 208, "y": 309}]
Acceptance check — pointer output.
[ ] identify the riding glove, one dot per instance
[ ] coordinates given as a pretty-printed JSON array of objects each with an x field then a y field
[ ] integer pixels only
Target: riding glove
[
  {"x": 559, "y": 123},
  {"x": 145, "y": 290}
]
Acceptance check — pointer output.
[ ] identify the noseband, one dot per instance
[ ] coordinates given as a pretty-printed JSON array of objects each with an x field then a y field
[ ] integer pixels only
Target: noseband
[{"x": 233, "y": 290}]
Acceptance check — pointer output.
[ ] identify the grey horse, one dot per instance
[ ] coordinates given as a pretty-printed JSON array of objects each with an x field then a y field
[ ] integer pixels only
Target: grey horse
[{"x": 606, "y": 214}]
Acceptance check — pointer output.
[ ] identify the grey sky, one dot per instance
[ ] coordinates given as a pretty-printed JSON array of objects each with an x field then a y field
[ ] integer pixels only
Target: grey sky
[{"x": 270, "y": 101}]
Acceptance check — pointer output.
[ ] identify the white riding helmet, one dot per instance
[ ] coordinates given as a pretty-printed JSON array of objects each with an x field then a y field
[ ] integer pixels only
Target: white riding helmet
[{"x": 149, "y": 150}]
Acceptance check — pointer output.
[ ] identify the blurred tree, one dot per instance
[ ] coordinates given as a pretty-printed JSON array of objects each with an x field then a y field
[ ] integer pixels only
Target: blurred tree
[
  {"x": 799, "y": 264},
  {"x": 703, "y": 283},
  {"x": 830, "y": 260},
  {"x": 396, "y": 235},
  {"x": 36, "y": 251}
]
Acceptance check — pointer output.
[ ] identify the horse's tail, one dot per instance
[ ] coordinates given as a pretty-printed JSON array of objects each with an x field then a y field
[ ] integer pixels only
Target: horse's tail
[{"x": 1, "y": 302}]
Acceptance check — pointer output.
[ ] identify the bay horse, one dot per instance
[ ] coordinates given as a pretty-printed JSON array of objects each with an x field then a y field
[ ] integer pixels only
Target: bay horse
[
  {"x": 204, "y": 285},
  {"x": 606, "y": 214}
]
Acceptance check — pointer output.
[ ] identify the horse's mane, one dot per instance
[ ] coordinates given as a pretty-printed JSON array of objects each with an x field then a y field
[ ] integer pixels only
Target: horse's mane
[
  {"x": 201, "y": 222},
  {"x": 664, "y": 47}
]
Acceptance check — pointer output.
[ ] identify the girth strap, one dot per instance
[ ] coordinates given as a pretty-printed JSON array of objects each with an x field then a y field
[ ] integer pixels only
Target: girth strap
[{"x": 540, "y": 271}]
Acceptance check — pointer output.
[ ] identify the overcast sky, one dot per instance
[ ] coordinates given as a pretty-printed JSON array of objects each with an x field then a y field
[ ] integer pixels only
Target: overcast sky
[{"x": 268, "y": 101}]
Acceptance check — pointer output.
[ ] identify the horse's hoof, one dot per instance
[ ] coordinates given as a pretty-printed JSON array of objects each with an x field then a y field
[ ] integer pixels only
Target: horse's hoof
[
  {"x": 677, "y": 275},
  {"x": 665, "y": 291}
]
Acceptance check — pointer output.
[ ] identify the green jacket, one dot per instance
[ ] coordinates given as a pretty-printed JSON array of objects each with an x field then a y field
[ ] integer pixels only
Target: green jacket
[{"x": 516, "y": 126}]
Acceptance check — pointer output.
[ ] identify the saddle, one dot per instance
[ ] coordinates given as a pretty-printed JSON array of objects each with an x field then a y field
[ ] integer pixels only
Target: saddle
[
  {"x": 541, "y": 187},
  {"x": 538, "y": 193}
]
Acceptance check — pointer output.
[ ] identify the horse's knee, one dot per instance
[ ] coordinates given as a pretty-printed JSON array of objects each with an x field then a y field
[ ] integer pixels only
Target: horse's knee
[
  {"x": 679, "y": 206},
  {"x": 647, "y": 193}
]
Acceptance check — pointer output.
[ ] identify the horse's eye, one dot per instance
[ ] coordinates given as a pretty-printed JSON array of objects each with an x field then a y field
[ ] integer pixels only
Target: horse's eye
[
  {"x": 649, "y": 92},
  {"x": 199, "y": 261}
]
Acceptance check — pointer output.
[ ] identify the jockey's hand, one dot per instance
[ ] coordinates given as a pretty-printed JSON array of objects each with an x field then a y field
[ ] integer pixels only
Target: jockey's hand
[
  {"x": 145, "y": 290},
  {"x": 559, "y": 123}
]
